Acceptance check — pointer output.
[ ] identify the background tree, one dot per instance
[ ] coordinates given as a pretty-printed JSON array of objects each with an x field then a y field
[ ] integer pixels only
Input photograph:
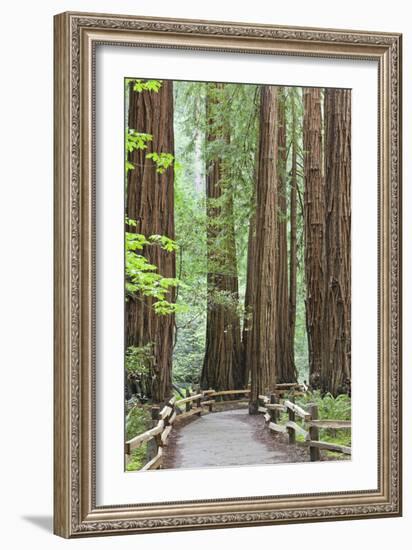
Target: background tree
[
  {"x": 284, "y": 363},
  {"x": 247, "y": 335},
  {"x": 336, "y": 365},
  {"x": 293, "y": 251},
  {"x": 150, "y": 203},
  {"x": 314, "y": 217},
  {"x": 222, "y": 360}
]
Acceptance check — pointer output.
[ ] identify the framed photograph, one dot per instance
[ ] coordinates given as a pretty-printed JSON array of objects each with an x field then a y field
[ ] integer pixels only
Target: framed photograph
[{"x": 227, "y": 274}]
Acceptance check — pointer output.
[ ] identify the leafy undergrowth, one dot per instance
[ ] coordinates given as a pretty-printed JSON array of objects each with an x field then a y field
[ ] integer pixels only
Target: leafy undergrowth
[
  {"x": 138, "y": 421},
  {"x": 138, "y": 458},
  {"x": 329, "y": 408}
]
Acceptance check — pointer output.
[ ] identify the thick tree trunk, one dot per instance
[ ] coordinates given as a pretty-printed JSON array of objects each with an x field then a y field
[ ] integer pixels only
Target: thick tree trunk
[
  {"x": 222, "y": 367},
  {"x": 336, "y": 366},
  {"x": 263, "y": 334},
  {"x": 284, "y": 367},
  {"x": 293, "y": 234},
  {"x": 150, "y": 201},
  {"x": 314, "y": 222}
]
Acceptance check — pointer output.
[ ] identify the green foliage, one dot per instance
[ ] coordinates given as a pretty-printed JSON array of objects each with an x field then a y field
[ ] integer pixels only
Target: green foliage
[
  {"x": 190, "y": 231},
  {"x": 301, "y": 343},
  {"x": 139, "y": 141},
  {"x": 335, "y": 408},
  {"x": 189, "y": 350},
  {"x": 145, "y": 85},
  {"x": 165, "y": 242},
  {"x": 136, "y": 140},
  {"x": 138, "y": 359},
  {"x": 138, "y": 421},
  {"x": 234, "y": 111},
  {"x": 330, "y": 408},
  {"x": 142, "y": 277},
  {"x": 161, "y": 160},
  {"x": 138, "y": 458}
]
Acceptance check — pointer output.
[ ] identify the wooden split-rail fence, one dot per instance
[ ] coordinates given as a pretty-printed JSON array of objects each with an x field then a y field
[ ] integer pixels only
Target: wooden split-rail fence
[
  {"x": 270, "y": 406},
  {"x": 302, "y": 421},
  {"x": 174, "y": 411}
]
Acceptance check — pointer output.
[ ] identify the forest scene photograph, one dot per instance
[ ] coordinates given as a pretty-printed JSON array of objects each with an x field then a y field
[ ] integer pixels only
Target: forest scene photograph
[{"x": 237, "y": 274}]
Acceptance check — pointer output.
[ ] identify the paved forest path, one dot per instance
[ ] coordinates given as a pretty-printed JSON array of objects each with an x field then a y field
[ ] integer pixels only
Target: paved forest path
[{"x": 228, "y": 438}]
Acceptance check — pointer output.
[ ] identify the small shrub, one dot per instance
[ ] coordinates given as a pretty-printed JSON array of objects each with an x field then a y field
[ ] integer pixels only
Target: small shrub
[
  {"x": 330, "y": 408},
  {"x": 138, "y": 458},
  {"x": 138, "y": 420}
]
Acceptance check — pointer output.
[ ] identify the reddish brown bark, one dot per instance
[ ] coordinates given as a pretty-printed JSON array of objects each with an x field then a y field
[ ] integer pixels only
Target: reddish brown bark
[
  {"x": 263, "y": 333},
  {"x": 150, "y": 201},
  {"x": 284, "y": 365},
  {"x": 249, "y": 297},
  {"x": 336, "y": 365},
  {"x": 293, "y": 233},
  {"x": 314, "y": 225}
]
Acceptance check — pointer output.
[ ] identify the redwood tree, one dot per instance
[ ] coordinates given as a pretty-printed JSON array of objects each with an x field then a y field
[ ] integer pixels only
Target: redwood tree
[
  {"x": 336, "y": 365},
  {"x": 263, "y": 334},
  {"x": 284, "y": 364},
  {"x": 249, "y": 297},
  {"x": 150, "y": 201},
  {"x": 222, "y": 367},
  {"x": 314, "y": 230},
  {"x": 293, "y": 250}
]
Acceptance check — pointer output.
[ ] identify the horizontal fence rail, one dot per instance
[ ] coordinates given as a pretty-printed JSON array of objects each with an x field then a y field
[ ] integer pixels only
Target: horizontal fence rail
[
  {"x": 271, "y": 407},
  {"x": 163, "y": 420}
]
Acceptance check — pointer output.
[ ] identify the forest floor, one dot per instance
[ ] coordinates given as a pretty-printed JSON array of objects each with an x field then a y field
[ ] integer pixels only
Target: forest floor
[{"x": 229, "y": 438}]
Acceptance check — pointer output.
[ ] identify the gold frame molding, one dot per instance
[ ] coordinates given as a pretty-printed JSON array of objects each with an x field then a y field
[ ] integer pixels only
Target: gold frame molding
[{"x": 75, "y": 38}]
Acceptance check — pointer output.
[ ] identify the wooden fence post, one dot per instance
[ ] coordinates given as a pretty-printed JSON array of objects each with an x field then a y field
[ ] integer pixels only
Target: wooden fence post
[
  {"x": 274, "y": 414},
  {"x": 127, "y": 457},
  {"x": 152, "y": 444},
  {"x": 314, "y": 433},
  {"x": 189, "y": 403},
  {"x": 292, "y": 418}
]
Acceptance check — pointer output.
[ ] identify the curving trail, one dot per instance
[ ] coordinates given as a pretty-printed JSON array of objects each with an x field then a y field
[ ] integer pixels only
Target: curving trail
[{"x": 229, "y": 438}]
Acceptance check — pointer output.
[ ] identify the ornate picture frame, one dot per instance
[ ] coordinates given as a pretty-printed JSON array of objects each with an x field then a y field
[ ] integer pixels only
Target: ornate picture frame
[{"x": 76, "y": 511}]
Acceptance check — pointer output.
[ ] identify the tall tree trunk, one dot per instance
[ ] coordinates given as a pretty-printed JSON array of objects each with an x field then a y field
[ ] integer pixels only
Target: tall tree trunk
[
  {"x": 249, "y": 297},
  {"x": 263, "y": 334},
  {"x": 222, "y": 362},
  {"x": 336, "y": 367},
  {"x": 315, "y": 268},
  {"x": 247, "y": 342},
  {"x": 293, "y": 233},
  {"x": 284, "y": 367},
  {"x": 150, "y": 201}
]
